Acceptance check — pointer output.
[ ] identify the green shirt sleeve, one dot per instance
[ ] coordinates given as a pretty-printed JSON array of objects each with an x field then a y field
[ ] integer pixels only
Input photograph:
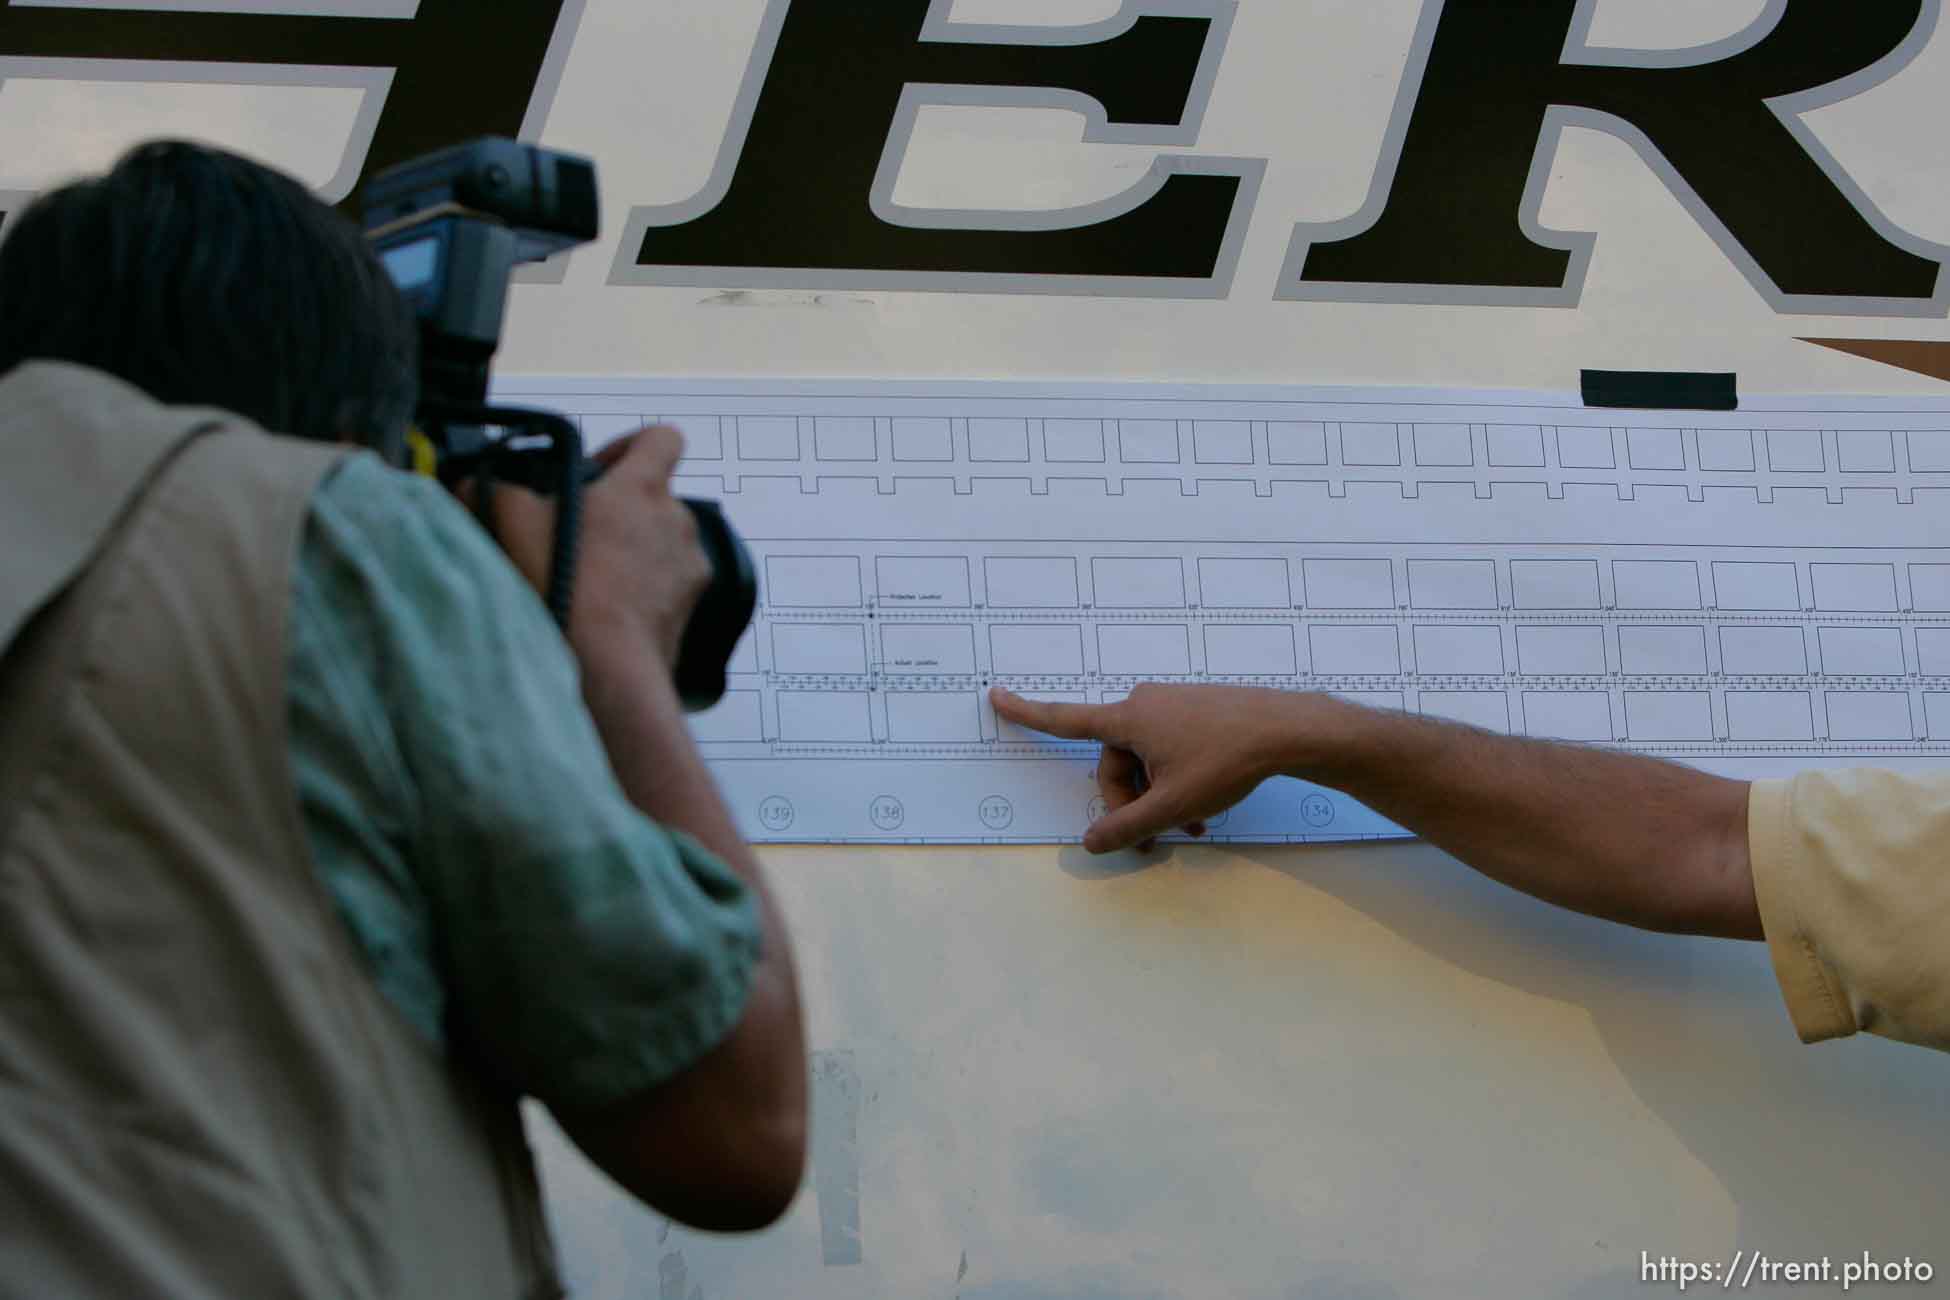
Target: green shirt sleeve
[{"x": 465, "y": 820}]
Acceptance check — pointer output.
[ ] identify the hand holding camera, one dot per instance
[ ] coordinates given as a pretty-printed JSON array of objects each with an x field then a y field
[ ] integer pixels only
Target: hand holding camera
[{"x": 627, "y": 514}]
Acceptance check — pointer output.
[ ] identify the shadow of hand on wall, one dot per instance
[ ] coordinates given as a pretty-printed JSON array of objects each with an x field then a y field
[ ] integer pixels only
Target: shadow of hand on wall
[{"x": 1077, "y": 861}]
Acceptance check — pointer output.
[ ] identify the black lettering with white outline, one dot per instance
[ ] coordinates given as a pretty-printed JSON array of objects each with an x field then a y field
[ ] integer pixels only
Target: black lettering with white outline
[
  {"x": 802, "y": 194},
  {"x": 1491, "y": 85}
]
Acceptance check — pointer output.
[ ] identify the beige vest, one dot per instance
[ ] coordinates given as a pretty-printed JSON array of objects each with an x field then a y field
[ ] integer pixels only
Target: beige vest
[{"x": 202, "y": 1091}]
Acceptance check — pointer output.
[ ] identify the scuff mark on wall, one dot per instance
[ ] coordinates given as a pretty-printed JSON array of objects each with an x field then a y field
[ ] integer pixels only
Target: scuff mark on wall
[
  {"x": 750, "y": 298},
  {"x": 671, "y": 1276},
  {"x": 836, "y": 1155}
]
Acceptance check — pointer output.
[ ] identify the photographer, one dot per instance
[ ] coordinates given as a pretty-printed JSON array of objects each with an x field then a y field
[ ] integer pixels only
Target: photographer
[{"x": 320, "y": 845}]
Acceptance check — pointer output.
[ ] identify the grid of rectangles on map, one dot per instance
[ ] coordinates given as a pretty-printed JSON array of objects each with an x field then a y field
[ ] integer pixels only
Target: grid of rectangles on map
[{"x": 1750, "y": 591}]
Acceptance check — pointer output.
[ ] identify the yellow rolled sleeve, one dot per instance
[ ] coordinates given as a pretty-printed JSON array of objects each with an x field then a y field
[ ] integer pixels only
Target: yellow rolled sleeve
[{"x": 1852, "y": 876}]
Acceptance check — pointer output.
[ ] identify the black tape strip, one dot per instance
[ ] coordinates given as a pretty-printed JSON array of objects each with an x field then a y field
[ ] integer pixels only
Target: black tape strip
[{"x": 1677, "y": 390}]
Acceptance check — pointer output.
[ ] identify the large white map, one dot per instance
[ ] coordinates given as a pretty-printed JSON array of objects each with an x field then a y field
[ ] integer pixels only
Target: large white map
[{"x": 1751, "y": 592}]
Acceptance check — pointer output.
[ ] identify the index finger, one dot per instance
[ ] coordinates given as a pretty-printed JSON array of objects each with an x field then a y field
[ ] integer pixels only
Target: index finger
[{"x": 1065, "y": 721}]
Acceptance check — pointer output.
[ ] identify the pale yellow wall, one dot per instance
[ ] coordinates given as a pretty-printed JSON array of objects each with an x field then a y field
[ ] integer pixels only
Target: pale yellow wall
[
  {"x": 1338, "y": 1074},
  {"x": 1330, "y": 1073}
]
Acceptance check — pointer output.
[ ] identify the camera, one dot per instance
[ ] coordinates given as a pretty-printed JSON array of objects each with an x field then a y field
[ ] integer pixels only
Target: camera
[{"x": 450, "y": 229}]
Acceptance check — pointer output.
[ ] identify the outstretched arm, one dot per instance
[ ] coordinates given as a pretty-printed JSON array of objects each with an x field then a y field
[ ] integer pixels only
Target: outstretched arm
[{"x": 1612, "y": 834}]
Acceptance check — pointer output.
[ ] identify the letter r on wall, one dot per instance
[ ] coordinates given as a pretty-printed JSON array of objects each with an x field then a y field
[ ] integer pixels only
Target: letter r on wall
[{"x": 1491, "y": 84}]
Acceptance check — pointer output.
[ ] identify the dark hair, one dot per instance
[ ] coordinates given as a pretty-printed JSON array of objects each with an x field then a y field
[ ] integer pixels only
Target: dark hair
[{"x": 207, "y": 279}]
